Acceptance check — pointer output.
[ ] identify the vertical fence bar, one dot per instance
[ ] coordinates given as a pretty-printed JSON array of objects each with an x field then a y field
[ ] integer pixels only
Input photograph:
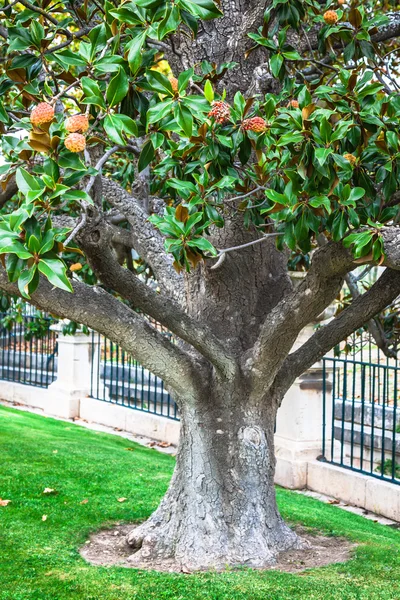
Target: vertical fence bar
[
  {"x": 383, "y": 424},
  {"x": 323, "y": 405},
  {"x": 394, "y": 464},
  {"x": 333, "y": 408},
  {"x": 344, "y": 399},
  {"x": 362, "y": 415},
  {"x": 373, "y": 419}
]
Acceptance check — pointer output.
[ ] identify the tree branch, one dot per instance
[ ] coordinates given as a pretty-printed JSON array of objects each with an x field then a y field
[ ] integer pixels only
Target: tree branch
[
  {"x": 9, "y": 192},
  {"x": 364, "y": 308},
  {"x": 282, "y": 325},
  {"x": 96, "y": 308},
  {"x": 374, "y": 326},
  {"x": 146, "y": 240},
  {"x": 96, "y": 244}
]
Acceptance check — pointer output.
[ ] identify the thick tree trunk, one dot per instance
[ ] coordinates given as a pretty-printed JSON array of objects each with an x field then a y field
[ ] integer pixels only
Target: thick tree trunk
[{"x": 220, "y": 509}]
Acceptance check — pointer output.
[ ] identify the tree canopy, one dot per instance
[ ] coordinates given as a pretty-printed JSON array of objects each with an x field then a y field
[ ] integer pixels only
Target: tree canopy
[{"x": 320, "y": 156}]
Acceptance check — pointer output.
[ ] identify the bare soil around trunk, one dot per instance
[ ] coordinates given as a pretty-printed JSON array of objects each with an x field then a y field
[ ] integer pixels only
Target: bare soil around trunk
[{"x": 108, "y": 547}]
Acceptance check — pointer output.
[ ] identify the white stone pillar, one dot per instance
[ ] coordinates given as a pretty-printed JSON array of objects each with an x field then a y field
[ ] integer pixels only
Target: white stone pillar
[
  {"x": 299, "y": 424},
  {"x": 74, "y": 373}
]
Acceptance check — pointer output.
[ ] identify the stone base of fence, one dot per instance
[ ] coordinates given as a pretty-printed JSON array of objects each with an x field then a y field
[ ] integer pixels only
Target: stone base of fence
[
  {"x": 375, "y": 495},
  {"x": 134, "y": 421}
]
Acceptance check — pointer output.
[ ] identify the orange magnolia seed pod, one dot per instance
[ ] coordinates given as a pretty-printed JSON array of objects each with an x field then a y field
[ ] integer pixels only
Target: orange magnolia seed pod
[
  {"x": 174, "y": 84},
  {"x": 256, "y": 124},
  {"x": 75, "y": 267},
  {"x": 331, "y": 17},
  {"x": 293, "y": 104},
  {"x": 220, "y": 112},
  {"x": 42, "y": 113},
  {"x": 75, "y": 142},
  {"x": 77, "y": 123},
  {"x": 350, "y": 157}
]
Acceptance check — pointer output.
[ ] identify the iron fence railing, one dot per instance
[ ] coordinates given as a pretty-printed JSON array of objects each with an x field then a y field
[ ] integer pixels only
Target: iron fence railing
[
  {"x": 118, "y": 378},
  {"x": 361, "y": 420},
  {"x": 28, "y": 349}
]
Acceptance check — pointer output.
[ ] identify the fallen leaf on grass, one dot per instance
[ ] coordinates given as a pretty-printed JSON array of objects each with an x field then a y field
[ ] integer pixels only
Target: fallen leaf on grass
[
  {"x": 44, "y": 518},
  {"x": 4, "y": 502},
  {"x": 55, "y": 451},
  {"x": 185, "y": 570},
  {"x": 49, "y": 491},
  {"x": 85, "y": 501},
  {"x": 130, "y": 449},
  {"x": 121, "y": 499}
]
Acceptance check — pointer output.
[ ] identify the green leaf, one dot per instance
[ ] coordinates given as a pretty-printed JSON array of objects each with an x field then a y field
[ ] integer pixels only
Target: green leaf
[
  {"x": 208, "y": 91},
  {"x": 25, "y": 279},
  {"x": 14, "y": 247},
  {"x": 205, "y": 9},
  {"x": 55, "y": 271},
  {"x": 192, "y": 220},
  {"x": 276, "y": 197},
  {"x": 318, "y": 201},
  {"x": 356, "y": 193},
  {"x": 177, "y": 184},
  {"x": 135, "y": 51},
  {"x": 159, "y": 83},
  {"x": 202, "y": 244},
  {"x": 33, "y": 244},
  {"x": 184, "y": 79},
  {"x": 321, "y": 154},
  {"x": 14, "y": 266},
  {"x": 48, "y": 242},
  {"x": 276, "y": 62},
  {"x": 26, "y": 182},
  {"x": 290, "y": 138},
  {"x": 78, "y": 195},
  {"x": 146, "y": 156},
  {"x": 157, "y": 139},
  {"x": 170, "y": 22},
  {"x": 92, "y": 92},
  {"x": 159, "y": 111},
  {"x": 118, "y": 88},
  {"x": 184, "y": 119}
]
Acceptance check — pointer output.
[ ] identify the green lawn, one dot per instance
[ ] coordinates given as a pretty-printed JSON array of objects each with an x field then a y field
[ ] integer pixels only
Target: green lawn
[{"x": 39, "y": 559}]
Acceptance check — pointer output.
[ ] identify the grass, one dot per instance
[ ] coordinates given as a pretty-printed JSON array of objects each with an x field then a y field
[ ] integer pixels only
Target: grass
[{"x": 39, "y": 559}]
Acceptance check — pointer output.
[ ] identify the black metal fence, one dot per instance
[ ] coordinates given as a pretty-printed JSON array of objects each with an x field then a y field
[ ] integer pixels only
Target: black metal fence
[
  {"x": 119, "y": 379},
  {"x": 361, "y": 420},
  {"x": 28, "y": 349}
]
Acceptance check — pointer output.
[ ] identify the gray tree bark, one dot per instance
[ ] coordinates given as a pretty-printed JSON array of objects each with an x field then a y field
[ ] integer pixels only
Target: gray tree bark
[{"x": 220, "y": 509}]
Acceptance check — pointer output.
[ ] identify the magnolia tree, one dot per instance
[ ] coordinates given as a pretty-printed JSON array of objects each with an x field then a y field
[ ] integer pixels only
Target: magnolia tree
[{"x": 221, "y": 142}]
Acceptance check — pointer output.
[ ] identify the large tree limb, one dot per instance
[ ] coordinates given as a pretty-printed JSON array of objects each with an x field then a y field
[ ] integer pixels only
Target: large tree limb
[
  {"x": 96, "y": 308},
  {"x": 282, "y": 325},
  {"x": 364, "y": 308},
  {"x": 96, "y": 244},
  {"x": 373, "y": 324},
  {"x": 146, "y": 240},
  {"x": 9, "y": 192},
  {"x": 223, "y": 40},
  {"x": 304, "y": 43},
  {"x": 329, "y": 266}
]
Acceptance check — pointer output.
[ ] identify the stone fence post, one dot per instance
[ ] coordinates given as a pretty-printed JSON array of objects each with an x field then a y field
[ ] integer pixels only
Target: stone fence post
[
  {"x": 299, "y": 424},
  {"x": 77, "y": 365}
]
